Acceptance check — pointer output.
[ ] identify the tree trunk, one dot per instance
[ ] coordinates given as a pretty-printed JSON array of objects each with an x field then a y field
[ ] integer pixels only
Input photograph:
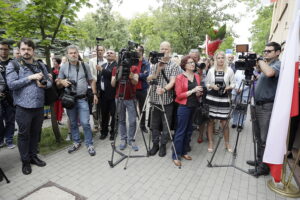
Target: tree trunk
[{"x": 54, "y": 123}]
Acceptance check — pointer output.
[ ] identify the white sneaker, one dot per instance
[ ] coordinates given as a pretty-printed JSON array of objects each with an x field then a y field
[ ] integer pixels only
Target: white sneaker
[
  {"x": 68, "y": 137},
  {"x": 11, "y": 146}
]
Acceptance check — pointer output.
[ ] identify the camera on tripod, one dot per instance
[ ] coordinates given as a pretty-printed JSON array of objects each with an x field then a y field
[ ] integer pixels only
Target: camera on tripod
[
  {"x": 127, "y": 58},
  {"x": 247, "y": 60},
  {"x": 155, "y": 57}
]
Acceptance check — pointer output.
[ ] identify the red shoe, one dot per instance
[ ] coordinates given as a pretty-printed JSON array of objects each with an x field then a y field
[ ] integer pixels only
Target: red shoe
[{"x": 199, "y": 140}]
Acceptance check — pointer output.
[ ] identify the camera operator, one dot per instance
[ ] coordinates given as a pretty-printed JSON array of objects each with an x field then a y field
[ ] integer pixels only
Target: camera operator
[
  {"x": 95, "y": 70},
  {"x": 125, "y": 97},
  {"x": 107, "y": 95},
  {"x": 28, "y": 78},
  {"x": 165, "y": 73},
  {"x": 219, "y": 82},
  {"x": 7, "y": 115},
  {"x": 76, "y": 75},
  {"x": 264, "y": 94},
  {"x": 142, "y": 86}
]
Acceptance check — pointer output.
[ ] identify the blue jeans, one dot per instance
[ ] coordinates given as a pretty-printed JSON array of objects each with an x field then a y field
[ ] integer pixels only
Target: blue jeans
[
  {"x": 81, "y": 110},
  {"x": 184, "y": 130},
  {"x": 236, "y": 114},
  {"x": 128, "y": 105},
  {"x": 7, "y": 122}
]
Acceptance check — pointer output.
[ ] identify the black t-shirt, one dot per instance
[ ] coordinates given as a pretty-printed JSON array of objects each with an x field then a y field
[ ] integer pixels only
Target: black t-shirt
[{"x": 192, "y": 100}]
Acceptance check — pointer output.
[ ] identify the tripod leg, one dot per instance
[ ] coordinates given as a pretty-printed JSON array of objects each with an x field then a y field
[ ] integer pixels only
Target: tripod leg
[
  {"x": 215, "y": 150},
  {"x": 2, "y": 174}
]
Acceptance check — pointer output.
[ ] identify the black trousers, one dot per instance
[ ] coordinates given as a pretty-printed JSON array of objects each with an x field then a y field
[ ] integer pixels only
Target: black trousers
[
  {"x": 30, "y": 121},
  {"x": 108, "y": 109},
  {"x": 141, "y": 97},
  {"x": 158, "y": 119}
]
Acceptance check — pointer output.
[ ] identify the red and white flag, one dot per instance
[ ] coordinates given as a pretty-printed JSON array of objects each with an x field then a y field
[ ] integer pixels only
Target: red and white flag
[{"x": 278, "y": 129}]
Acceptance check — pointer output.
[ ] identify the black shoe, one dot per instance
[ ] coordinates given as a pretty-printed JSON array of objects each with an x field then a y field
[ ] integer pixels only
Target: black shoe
[
  {"x": 233, "y": 126},
  {"x": 112, "y": 137},
  {"x": 154, "y": 150},
  {"x": 189, "y": 148},
  {"x": 260, "y": 171},
  {"x": 252, "y": 163},
  {"x": 102, "y": 137},
  {"x": 26, "y": 168},
  {"x": 162, "y": 150},
  {"x": 144, "y": 129},
  {"x": 36, "y": 161}
]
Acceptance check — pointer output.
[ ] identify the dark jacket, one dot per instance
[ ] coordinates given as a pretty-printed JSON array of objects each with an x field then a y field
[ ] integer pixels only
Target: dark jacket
[
  {"x": 109, "y": 92},
  {"x": 144, "y": 73}
]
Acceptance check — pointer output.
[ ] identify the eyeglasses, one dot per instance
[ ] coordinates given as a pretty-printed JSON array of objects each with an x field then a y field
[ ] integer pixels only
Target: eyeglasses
[
  {"x": 191, "y": 63},
  {"x": 268, "y": 51},
  {"x": 1, "y": 49}
]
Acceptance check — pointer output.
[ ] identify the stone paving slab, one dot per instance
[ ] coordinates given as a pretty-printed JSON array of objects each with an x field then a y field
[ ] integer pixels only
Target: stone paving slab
[{"x": 152, "y": 178}]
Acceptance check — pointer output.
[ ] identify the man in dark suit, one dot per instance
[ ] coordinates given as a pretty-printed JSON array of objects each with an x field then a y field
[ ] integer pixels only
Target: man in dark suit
[{"x": 107, "y": 95}]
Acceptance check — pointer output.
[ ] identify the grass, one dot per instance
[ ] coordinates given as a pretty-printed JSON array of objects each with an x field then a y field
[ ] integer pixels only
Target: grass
[{"x": 48, "y": 143}]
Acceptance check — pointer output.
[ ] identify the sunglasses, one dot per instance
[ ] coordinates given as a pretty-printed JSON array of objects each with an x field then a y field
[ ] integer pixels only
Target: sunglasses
[{"x": 268, "y": 51}]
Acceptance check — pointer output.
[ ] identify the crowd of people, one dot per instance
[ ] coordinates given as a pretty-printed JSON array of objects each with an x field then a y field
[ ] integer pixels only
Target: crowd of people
[{"x": 99, "y": 88}]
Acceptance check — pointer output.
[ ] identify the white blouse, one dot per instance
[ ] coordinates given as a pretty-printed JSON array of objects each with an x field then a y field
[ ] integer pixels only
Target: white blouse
[{"x": 228, "y": 78}]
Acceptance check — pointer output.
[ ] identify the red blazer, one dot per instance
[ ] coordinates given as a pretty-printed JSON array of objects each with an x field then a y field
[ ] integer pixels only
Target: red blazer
[{"x": 181, "y": 87}]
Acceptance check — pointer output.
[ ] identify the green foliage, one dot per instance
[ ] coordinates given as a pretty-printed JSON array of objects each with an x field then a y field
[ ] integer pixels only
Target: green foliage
[
  {"x": 260, "y": 29},
  {"x": 105, "y": 24},
  {"x": 227, "y": 43}
]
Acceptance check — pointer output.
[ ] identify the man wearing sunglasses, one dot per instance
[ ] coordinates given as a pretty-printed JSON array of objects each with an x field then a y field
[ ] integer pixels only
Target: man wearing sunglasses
[{"x": 264, "y": 95}]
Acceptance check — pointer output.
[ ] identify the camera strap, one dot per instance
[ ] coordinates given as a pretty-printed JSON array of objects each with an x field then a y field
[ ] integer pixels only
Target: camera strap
[{"x": 164, "y": 75}]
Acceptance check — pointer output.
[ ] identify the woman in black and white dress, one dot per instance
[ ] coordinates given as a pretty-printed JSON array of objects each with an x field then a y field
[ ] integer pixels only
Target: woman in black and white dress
[{"x": 219, "y": 82}]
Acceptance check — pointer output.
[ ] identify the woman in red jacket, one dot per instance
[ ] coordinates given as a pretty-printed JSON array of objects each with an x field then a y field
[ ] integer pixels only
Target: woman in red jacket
[{"x": 187, "y": 87}]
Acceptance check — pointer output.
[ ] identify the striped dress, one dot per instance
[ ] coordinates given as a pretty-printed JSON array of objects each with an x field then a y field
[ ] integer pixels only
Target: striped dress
[{"x": 219, "y": 104}]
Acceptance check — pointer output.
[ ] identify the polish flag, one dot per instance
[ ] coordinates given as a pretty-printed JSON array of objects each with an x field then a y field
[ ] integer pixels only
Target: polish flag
[{"x": 282, "y": 109}]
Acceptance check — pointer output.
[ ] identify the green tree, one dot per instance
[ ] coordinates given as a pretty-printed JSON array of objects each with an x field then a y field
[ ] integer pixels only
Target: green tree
[
  {"x": 47, "y": 22},
  {"x": 260, "y": 29}
]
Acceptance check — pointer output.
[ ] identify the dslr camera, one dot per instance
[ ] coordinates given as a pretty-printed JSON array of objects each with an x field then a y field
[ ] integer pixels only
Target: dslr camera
[
  {"x": 247, "y": 60},
  {"x": 68, "y": 98},
  {"x": 220, "y": 83},
  {"x": 155, "y": 57},
  {"x": 127, "y": 58}
]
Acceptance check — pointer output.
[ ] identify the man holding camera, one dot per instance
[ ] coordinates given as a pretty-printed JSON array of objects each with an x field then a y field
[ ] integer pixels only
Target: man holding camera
[
  {"x": 95, "y": 70},
  {"x": 142, "y": 86},
  {"x": 77, "y": 76},
  {"x": 7, "y": 114},
  {"x": 264, "y": 95},
  {"x": 107, "y": 95},
  {"x": 125, "y": 97},
  {"x": 28, "y": 78},
  {"x": 164, "y": 72}
]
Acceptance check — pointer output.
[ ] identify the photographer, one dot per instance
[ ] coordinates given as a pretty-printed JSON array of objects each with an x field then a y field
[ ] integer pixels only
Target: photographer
[
  {"x": 142, "y": 86},
  {"x": 165, "y": 73},
  {"x": 28, "y": 79},
  {"x": 264, "y": 94},
  {"x": 107, "y": 95},
  {"x": 125, "y": 97},
  {"x": 7, "y": 115},
  {"x": 75, "y": 76},
  {"x": 219, "y": 82}
]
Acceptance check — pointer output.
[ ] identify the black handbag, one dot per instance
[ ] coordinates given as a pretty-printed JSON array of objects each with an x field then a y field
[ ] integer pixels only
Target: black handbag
[
  {"x": 201, "y": 115},
  {"x": 68, "y": 101}
]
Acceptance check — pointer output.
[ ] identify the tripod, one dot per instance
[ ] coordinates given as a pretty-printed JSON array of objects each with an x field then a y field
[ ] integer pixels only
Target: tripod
[
  {"x": 242, "y": 110},
  {"x": 122, "y": 84},
  {"x": 3, "y": 175}
]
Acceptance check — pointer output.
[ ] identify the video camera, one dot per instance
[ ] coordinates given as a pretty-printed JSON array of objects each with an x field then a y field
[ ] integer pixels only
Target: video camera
[
  {"x": 247, "y": 60},
  {"x": 127, "y": 58},
  {"x": 155, "y": 56}
]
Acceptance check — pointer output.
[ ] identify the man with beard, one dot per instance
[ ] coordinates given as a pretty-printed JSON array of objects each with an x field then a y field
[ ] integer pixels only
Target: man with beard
[
  {"x": 77, "y": 74},
  {"x": 7, "y": 115},
  {"x": 264, "y": 95},
  {"x": 28, "y": 78}
]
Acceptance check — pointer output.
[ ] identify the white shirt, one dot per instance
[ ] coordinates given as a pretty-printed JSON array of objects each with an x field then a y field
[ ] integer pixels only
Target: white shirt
[{"x": 92, "y": 64}]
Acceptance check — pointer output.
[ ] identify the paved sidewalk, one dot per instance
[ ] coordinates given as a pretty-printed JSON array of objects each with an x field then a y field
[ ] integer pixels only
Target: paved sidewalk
[{"x": 145, "y": 178}]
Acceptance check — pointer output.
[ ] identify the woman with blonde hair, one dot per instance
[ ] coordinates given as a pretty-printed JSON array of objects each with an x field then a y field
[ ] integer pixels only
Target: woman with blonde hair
[{"x": 219, "y": 82}]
